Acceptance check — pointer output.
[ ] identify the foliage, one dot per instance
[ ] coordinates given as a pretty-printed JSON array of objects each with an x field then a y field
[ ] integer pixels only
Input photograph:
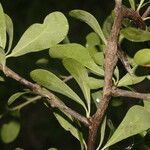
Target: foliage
[{"x": 84, "y": 63}]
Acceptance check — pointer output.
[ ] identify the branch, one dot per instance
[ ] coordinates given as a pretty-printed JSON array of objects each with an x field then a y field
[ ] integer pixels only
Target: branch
[
  {"x": 51, "y": 98},
  {"x": 109, "y": 65},
  {"x": 146, "y": 13},
  {"x": 124, "y": 93}
]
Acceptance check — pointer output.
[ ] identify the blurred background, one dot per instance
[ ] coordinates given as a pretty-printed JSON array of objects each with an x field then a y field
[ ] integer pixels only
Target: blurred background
[{"x": 39, "y": 128}]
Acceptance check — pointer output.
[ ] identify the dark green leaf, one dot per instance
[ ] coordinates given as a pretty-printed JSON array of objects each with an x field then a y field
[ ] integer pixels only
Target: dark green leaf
[
  {"x": 78, "y": 53},
  {"x": 136, "y": 121},
  {"x": 90, "y": 20},
  {"x": 135, "y": 35},
  {"x": 10, "y": 131},
  {"x": 42, "y": 36}
]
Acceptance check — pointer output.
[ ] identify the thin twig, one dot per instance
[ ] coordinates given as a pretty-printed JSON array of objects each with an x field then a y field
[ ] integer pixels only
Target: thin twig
[
  {"x": 146, "y": 13},
  {"x": 124, "y": 93},
  {"x": 51, "y": 98}
]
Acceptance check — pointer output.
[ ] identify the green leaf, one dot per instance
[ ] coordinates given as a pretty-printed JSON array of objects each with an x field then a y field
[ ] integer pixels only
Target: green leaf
[
  {"x": 76, "y": 52},
  {"x": 10, "y": 131},
  {"x": 97, "y": 97},
  {"x": 52, "y": 82},
  {"x": 52, "y": 149},
  {"x": 147, "y": 105},
  {"x": 136, "y": 121},
  {"x": 66, "y": 123},
  {"x": 135, "y": 35},
  {"x": 2, "y": 57},
  {"x": 42, "y": 36},
  {"x": 15, "y": 96},
  {"x": 102, "y": 133},
  {"x": 1, "y": 79},
  {"x": 129, "y": 79},
  {"x": 95, "y": 83},
  {"x": 90, "y": 20},
  {"x": 10, "y": 30},
  {"x": 132, "y": 3},
  {"x": 142, "y": 57},
  {"x": 108, "y": 25},
  {"x": 80, "y": 74},
  {"x": 2, "y": 28},
  {"x": 99, "y": 58}
]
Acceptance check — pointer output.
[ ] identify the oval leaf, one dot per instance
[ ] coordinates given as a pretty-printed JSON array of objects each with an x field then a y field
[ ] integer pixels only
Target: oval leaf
[
  {"x": 142, "y": 57},
  {"x": 95, "y": 83},
  {"x": 136, "y": 121},
  {"x": 90, "y": 20},
  {"x": 135, "y": 35},
  {"x": 2, "y": 28},
  {"x": 52, "y": 82},
  {"x": 10, "y": 131},
  {"x": 78, "y": 53},
  {"x": 80, "y": 74},
  {"x": 42, "y": 36}
]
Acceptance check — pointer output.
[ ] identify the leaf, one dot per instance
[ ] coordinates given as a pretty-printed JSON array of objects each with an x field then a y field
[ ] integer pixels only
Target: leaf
[
  {"x": 136, "y": 121},
  {"x": 67, "y": 125},
  {"x": 1, "y": 79},
  {"x": 99, "y": 58},
  {"x": 130, "y": 79},
  {"x": 97, "y": 97},
  {"x": 108, "y": 25},
  {"x": 14, "y": 97},
  {"x": 78, "y": 53},
  {"x": 90, "y": 20},
  {"x": 95, "y": 83},
  {"x": 80, "y": 74},
  {"x": 9, "y": 29},
  {"x": 2, "y": 58},
  {"x": 42, "y": 36},
  {"x": 142, "y": 57},
  {"x": 52, "y": 82},
  {"x": 147, "y": 105},
  {"x": 135, "y": 35},
  {"x": 52, "y": 149},
  {"x": 132, "y": 3},
  {"x": 102, "y": 133},
  {"x": 2, "y": 28},
  {"x": 10, "y": 131}
]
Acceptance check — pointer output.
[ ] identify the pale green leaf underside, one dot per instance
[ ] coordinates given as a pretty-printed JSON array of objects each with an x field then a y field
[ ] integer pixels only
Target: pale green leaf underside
[
  {"x": 10, "y": 131},
  {"x": 90, "y": 20},
  {"x": 136, "y": 121},
  {"x": 2, "y": 28},
  {"x": 42, "y": 36},
  {"x": 76, "y": 52},
  {"x": 52, "y": 82},
  {"x": 135, "y": 35}
]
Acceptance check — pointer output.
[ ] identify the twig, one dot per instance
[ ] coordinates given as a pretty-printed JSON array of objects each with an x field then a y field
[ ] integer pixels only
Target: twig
[
  {"x": 146, "y": 13},
  {"x": 51, "y": 98},
  {"x": 124, "y": 93}
]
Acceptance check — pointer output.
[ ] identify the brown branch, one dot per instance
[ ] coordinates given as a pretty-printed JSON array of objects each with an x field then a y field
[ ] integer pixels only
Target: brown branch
[
  {"x": 109, "y": 65},
  {"x": 111, "y": 58},
  {"x": 124, "y": 93},
  {"x": 51, "y": 98}
]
